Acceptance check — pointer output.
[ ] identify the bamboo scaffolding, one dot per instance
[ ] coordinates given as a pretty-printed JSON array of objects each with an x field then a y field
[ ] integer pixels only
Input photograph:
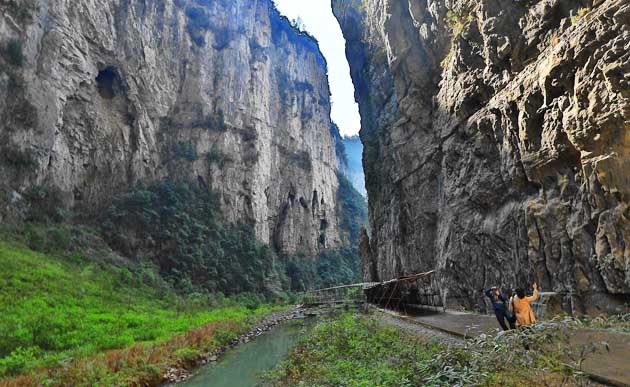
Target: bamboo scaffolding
[{"x": 383, "y": 290}]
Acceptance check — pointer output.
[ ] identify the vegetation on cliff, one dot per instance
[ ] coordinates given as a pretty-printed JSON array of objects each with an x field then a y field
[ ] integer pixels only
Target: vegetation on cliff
[
  {"x": 178, "y": 226},
  {"x": 334, "y": 267}
]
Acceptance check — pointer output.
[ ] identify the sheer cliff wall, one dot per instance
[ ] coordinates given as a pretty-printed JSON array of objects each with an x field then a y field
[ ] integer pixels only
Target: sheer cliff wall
[
  {"x": 98, "y": 96},
  {"x": 497, "y": 144}
]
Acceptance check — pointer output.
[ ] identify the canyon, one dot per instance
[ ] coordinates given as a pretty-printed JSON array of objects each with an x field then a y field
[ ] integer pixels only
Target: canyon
[
  {"x": 99, "y": 97},
  {"x": 497, "y": 143},
  {"x": 495, "y": 133}
]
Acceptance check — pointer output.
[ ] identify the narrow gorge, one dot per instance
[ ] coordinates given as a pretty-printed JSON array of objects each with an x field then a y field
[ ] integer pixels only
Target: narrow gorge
[
  {"x": 314, "y": 192},
  {"x": 226, "y": 97},
  {"x": 496, "y": 145}
]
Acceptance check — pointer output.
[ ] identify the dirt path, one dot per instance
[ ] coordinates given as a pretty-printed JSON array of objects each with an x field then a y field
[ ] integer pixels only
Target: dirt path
[{"x": 419, "y": 330}]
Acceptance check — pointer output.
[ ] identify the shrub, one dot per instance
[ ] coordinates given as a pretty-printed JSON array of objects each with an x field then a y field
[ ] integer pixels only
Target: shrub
[
  {"x": 46, "y": 204},
  {"x": 17, "y": 361},
  {"x": 14, "y": 53},
  {"x": 189, "y": 242},
  {"x": 188, "y": 355},
  {"x": 216, "y": 156},
  {"x": 186, "y": 151},
  {"x": 579, "y": 15},
  {"x": 355, "y": 350},
  {"x": 457, "y": 20},
  {"x": 215, "y": 122},
  {"x": 21, "y": 159},
  {"x": 22, "y": 9},
  {"x": 251, "y": 301},
  {"x": 302, "y": 159},
  {"x": 49, "y": 239}
]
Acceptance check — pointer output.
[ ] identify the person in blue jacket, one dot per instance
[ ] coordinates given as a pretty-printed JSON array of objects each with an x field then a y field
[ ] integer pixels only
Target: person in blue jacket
[{"x": 499, "y": 302}]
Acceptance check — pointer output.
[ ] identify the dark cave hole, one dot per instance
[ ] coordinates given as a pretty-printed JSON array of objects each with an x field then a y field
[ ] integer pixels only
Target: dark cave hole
[{"x": 108, "y": 83}]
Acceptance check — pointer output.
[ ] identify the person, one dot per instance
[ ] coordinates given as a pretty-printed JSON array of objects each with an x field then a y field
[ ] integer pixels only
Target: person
[
  {"x": 521, "y": 307},
  {"x": 498, "y": 305}
]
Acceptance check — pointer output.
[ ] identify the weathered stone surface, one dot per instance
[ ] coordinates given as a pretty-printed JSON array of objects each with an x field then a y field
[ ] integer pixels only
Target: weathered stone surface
[
  {"x": 116, "y": 92},
  {"x": 497, "y": 142}
]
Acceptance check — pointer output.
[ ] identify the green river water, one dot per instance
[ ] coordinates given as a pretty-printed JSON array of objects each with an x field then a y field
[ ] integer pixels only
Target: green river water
[{"x": 241, "y": 366}]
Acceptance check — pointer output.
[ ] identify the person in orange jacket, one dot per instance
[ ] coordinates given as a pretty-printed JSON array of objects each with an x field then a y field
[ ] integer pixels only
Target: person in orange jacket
[{"x": 521, "y": 307}]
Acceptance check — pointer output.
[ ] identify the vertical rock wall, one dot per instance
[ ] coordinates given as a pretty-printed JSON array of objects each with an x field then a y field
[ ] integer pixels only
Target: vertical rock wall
[
  {"x": 497, "y": 140},
  {"x": 112, "y": 93}
]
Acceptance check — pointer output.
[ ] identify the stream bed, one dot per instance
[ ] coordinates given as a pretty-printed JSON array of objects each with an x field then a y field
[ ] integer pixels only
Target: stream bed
[{"x": 242, "y": 366}]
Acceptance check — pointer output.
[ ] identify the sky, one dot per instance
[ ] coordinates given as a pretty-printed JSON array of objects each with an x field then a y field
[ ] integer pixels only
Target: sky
[{"x": 320, "y": 22}]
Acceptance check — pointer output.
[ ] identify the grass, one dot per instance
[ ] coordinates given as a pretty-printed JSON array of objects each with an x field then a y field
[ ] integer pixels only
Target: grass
[
  {"x": 579, "y": 15},
  {"x": 88, "y": 324},
  {"x": 351, "y": 351},
  {"x": 616, "y": 323},
  {"x": 359, "y": 351}
]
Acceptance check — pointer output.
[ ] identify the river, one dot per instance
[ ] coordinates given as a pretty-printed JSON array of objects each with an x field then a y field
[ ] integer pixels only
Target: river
[{"x": 241, "y": 366}]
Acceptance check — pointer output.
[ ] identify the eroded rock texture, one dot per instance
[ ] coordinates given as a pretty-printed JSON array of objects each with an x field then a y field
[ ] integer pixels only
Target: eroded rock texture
[
  {"x": 497, "y": 144},
  {"x": 111, "y": 93}
]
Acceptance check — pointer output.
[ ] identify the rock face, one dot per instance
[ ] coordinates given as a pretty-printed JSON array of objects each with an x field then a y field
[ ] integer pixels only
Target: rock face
[
  {"x": 97, "y": 96},
  {"x": 497, "y": 144}
]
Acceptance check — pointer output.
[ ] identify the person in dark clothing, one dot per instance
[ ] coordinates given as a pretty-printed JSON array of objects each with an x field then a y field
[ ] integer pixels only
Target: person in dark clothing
[{"x": 499, "y": 305}]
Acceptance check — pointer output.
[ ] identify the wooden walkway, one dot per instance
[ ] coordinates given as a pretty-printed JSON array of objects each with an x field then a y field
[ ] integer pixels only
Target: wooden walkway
[{"x": 388, "y": 293}]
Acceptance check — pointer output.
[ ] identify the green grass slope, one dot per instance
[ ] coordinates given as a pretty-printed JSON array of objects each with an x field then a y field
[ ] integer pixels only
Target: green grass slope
[{"x": 56, "y": 310}]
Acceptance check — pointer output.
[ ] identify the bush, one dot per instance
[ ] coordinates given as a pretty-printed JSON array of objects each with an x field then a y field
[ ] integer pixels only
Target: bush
[
  {"x": 46, "y": 204},
  {"x": 186, "y": 151},
  {"x": 359, "y": 351},
  {"x": 21, "y": 159},
  {"x": 179, "y": 224},
  {"x": 21, "y": 10},
  {"x": 188, "y": 355},
  {"x": 249, "y": 300},
  {"x": 215, "y": 156},
  {"x": 17, "y": 361},
  {"x": 579, "y": 15},
  {"x": 215, "y": 122},
  {"x": 48, "y": 239},
  {"x": 302, "y": 159},
  {"x": 60, "y": 311},
  {"x": 14, "y": 53}
]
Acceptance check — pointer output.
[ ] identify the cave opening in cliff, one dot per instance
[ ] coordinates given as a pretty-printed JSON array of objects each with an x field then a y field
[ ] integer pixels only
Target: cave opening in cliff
[{"x": 108, "y": 82}]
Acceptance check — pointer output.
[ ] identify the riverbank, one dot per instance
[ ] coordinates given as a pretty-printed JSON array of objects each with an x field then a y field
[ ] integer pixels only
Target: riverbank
[
  {"x": 72, "y": 321},
  {"x": 184, "y": 370},
  {"x": 360, "y": 350}
]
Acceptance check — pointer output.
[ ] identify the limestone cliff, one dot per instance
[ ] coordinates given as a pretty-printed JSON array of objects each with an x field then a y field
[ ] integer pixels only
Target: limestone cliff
[
  {"x": 97, "y": 96},
  {"x": 497, "y": 144}
]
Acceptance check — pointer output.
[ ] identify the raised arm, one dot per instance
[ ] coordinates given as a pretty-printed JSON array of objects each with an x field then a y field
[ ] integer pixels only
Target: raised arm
[{"x": 535, "y": 296}]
